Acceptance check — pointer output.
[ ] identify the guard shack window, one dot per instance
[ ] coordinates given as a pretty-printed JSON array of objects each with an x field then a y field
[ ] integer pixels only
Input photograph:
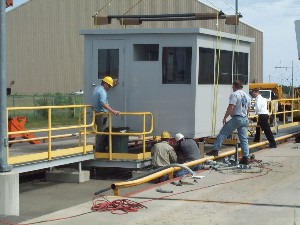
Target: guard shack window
[
  {"x": 206, "y": 66},
  {"x": 226, "y": 69},
  {"x": 176, "y": 65},
  {"x": 108, "y": 63},
  {"x": 224, "y": 59},
  {"x": 145, "y": 52},
  {"x": 240, "y": 67}
]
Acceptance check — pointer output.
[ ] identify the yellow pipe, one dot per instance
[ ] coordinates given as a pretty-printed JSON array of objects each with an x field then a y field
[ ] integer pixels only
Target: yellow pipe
[{"x": 126, "y": 184}]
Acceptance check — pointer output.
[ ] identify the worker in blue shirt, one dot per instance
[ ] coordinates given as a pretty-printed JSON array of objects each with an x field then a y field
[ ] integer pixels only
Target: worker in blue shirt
[{"x": 100, "y": 104}]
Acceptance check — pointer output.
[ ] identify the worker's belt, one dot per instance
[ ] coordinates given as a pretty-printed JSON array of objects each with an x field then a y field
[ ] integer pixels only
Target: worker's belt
[
  {"x": 263, "y": 115},
  {"x": 237, "y": 116}
]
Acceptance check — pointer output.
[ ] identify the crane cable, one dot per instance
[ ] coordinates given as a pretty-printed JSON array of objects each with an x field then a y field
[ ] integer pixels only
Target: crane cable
[
  {"x": 236, "y": 49},
  {"x": 129, "y": 10},
  {"x": 234, "y": 68},
  {"x": 96, "y": 13},
  {"x": 216, "y": 80}
]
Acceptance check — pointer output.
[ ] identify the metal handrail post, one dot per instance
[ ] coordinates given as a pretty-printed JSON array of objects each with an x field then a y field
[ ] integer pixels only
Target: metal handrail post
[
  {"x": 275, "y": 111},
  {"x": 84, "y": 130},
  {"x": 144, "y": 136},
  {"x": 49, "y": 133},
  {"x": 284, "y": 114},
  {"x": 110, "y": 136},
  {"x": 292, "y": 113}
]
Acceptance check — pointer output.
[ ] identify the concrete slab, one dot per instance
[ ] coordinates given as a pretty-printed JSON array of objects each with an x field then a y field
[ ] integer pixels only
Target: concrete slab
[
  {"x": 68, "y": 175},
  {"x": 266, "y": 194},
  {"x": 9, "y": 193}
]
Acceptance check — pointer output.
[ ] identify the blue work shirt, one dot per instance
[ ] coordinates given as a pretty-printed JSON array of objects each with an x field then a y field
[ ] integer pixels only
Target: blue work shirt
[{"x": 99, "y": 98}]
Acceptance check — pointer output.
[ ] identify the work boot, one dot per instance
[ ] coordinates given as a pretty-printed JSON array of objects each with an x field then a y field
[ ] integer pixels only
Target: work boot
[
  {"x": 244, "y": 160},
  {"x": 213, "y": 153},
  {"x": 273, "y": 145}
]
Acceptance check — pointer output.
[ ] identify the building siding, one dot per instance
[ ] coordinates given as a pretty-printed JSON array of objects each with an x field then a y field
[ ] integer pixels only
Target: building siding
[{"x": 45, "y": 50}]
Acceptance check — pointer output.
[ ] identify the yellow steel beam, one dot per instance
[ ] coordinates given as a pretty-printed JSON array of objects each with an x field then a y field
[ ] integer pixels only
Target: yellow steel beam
[
  {"x": 129, "y": 156},
  {"x": 71, "y": 151},
  {"x": 44, "y": 155},
  {"x": 27, "y": 158}
]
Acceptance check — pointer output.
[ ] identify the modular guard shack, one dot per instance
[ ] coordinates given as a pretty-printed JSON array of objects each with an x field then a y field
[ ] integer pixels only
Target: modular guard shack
[{"x": 171, "y": 73}]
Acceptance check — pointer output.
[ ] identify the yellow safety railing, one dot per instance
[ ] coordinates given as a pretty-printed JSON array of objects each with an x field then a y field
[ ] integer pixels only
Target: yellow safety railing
[
  {"x": 49, "y": 154},
  {"x": 283, "y": 109},
  {"x": 110, "y": 133}
]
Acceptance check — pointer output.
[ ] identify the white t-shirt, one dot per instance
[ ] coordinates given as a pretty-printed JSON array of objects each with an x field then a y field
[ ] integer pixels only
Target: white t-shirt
[
  {"x": 261, "y": 105},
  {"x": 241, "y": 101}
]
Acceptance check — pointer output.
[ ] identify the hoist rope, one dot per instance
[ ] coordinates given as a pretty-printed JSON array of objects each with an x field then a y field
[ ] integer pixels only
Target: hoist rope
[
  {"x": 234, "y": 70},
  {"x": 131, "y": 9},
  {"x": 216, "y": 79},
  {"x": 236, "y": 50},
  {"x": 96, "y": 13}
]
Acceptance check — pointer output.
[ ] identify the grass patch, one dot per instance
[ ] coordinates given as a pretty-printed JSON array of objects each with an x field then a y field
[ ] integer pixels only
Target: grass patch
[{"x": 38, "y": 118}]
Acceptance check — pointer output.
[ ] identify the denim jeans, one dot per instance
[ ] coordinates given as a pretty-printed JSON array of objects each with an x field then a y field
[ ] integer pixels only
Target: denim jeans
[
  {"x": 239, "y": 123},
  {"x": 183, "y": 171}
]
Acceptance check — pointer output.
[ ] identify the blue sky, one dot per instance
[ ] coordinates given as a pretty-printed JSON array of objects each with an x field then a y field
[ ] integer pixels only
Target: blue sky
[{"x": 275, "y": 18}]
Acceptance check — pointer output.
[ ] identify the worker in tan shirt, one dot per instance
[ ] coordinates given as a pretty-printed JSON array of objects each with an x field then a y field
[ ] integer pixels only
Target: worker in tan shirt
[{"x": 162, "y": 153}]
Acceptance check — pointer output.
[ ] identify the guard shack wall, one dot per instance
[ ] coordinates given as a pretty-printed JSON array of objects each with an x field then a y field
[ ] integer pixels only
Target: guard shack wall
[{"x": 185, "y": 108}]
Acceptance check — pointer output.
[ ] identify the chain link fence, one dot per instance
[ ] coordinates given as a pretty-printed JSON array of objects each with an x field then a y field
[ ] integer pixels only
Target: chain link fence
[{"x": 39, "y": 117}]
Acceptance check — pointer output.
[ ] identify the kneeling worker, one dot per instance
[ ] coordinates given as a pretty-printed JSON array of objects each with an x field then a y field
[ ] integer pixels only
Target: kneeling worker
[
  {"x": 189, "y": 151},
  {"x": 162, "y": 153}
]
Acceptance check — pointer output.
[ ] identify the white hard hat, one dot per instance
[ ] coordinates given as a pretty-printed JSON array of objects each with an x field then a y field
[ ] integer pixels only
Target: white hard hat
[{"x": 178, "y": 136}]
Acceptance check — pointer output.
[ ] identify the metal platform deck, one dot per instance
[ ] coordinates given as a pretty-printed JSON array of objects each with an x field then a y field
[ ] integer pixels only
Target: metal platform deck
[{"x": 22, "y": 149}]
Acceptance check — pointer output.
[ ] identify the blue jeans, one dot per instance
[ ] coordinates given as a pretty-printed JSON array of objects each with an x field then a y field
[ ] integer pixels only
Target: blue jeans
[
  {"x": 183, "y": 171},
  {"x": 239, "y": 123}
]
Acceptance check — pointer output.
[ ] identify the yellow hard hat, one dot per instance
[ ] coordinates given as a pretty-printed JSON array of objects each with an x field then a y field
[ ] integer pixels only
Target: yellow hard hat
[
  {"x": 108, "y": 80},
  {"x": 165, "y": 134}
]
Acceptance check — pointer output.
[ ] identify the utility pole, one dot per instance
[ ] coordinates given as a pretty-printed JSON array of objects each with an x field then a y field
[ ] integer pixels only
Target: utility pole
[
  {"x": 293, "y": 79},
  {"x": 4, "y": 167},
  {"x": 287, "y": 67},
  {"x": 236, "y": 15}
]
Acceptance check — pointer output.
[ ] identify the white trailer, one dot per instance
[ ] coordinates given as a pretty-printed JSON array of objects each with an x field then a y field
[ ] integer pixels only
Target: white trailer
[{"x": 169, "y": 72}]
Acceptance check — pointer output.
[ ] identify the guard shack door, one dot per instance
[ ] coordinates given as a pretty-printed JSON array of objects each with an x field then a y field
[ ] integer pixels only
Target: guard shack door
[{"x": 108, "y": 60}]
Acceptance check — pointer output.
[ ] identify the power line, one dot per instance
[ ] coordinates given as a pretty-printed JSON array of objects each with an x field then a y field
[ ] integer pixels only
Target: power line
[
  {"x": 215, "y": 7},
  {"x": 228, "y": 4}
]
